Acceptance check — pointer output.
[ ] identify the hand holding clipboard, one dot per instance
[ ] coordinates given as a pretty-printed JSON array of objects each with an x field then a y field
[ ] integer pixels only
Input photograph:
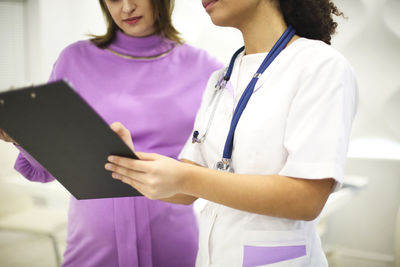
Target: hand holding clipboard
[{"x": 66, "y": 136}]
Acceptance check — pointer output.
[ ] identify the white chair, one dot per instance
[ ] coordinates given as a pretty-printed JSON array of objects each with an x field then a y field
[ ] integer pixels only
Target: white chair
[
  {"x": 19, "y": 214},
  {"x": 351, "y": 187}
]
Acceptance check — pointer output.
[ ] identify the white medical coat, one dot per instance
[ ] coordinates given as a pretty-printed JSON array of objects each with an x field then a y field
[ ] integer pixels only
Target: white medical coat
[{"x": 297, "y": 123}]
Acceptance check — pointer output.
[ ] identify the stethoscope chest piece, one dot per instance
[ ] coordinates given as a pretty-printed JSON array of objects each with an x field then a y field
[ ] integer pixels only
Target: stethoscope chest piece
[{"x": 224, "y": 165}]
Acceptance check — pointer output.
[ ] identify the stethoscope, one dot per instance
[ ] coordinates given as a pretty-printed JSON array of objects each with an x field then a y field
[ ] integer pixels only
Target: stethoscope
[{"x": 225, "y": 163}]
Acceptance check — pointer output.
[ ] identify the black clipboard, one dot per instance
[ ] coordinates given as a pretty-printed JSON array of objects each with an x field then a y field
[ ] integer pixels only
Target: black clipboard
[{"x": 66, "y": 136}]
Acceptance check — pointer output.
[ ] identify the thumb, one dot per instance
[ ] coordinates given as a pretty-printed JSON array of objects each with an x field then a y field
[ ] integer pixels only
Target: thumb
[
  {"x": 147, "y": 156},
  {"x": 123, "y": 133}
]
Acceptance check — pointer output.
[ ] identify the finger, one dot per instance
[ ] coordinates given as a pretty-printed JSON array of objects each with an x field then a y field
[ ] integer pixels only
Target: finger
[
  {"x": 127, "y": 180},
  {"x": 137, "y": 175},
  {"x": 147, "y": 156},
  {"x": 132, "y": 164},
  {"x": 123, "y": 133},
  {"x": 119, "y": 176},
  {"x": 143, "y": 188}
]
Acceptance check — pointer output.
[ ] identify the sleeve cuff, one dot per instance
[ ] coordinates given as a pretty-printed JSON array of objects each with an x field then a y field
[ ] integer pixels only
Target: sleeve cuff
[
  {"x": 30, "y": 168},
  {"x": 315, "y": 171},
  {"x": 191, "y": 152},
  {"x": 28, "y": 157}
]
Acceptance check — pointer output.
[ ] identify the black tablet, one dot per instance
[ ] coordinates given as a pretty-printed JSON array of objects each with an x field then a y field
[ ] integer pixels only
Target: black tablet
[{"x": 66, "y": 136}]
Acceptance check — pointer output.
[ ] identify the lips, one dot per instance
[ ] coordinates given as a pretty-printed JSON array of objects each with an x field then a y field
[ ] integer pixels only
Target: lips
[
  {"x": 132, "y": 20},
  {"x": 208, "y": 3}
]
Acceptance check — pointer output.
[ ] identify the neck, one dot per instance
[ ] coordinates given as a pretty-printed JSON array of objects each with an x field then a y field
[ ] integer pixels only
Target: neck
[
  {"x": 140, "y": 47},
  {"x": 262, "y": 29}
]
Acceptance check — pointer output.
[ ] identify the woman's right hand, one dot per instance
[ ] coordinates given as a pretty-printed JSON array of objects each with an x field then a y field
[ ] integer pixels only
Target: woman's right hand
[{"x": 5, "y": 137}]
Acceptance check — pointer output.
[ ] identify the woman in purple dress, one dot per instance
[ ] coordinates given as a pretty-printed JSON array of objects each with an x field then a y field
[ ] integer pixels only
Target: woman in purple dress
[{"x": 141, "y": 74}]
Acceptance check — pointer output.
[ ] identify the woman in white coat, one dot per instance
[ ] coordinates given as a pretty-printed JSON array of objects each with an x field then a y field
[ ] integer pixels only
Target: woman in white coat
[{"x": 270, "y": 138}]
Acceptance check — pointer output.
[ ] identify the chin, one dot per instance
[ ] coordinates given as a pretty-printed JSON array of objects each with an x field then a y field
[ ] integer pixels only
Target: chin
[
  {"x": 134, "y": 33},
  {"x": 221, "y": 20}
]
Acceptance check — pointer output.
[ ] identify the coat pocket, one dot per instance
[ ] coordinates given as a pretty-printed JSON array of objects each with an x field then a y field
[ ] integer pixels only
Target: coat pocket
[{"x": 274, "y": 248}]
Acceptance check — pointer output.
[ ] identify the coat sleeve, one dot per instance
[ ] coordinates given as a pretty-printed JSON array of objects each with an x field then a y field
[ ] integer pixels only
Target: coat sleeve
[{"x": 319, "y": 122}]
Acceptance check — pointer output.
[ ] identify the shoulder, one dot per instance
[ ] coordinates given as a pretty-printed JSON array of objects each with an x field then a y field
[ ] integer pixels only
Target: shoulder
[
  {"x": 197, "y": 55},
  {"x": 315, "y": 56},
  {"x": 77, "y": 49},
  {"x": 323, "y": 70},
  {"x": 71, "y": 58},
  {"x": 191, "y": 51}
]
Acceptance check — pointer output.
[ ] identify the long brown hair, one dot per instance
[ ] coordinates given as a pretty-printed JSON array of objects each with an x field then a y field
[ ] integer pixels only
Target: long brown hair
[{"x": 163, "y": 23}]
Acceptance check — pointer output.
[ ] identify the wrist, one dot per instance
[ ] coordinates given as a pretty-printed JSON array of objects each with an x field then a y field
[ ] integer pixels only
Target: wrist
[{"x": 185, "y": 177}]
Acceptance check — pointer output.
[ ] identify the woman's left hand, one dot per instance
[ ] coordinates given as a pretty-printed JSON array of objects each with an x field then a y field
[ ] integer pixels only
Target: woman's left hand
[{"x": 154, "y": 175}]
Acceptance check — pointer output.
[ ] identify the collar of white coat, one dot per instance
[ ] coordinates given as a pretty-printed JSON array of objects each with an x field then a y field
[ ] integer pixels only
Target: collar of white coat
[
  {"x": 262, "y": 78},
  {"x": 231, "y": 85}
]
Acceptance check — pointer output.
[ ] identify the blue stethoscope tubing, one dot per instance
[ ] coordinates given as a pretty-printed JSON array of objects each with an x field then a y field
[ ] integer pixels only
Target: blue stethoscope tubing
[{"x": 275, "y": 51}]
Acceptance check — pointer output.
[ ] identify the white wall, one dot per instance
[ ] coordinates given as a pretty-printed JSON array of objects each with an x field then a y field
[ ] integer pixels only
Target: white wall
[
  {"x": 371, "y": 43},
  {"x": 12, "y": 56},
  {"x": 55, "y": 25}
]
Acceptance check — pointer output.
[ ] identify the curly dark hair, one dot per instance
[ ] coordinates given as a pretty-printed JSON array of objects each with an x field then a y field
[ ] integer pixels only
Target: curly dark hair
[{"x": 311, "y": 18}]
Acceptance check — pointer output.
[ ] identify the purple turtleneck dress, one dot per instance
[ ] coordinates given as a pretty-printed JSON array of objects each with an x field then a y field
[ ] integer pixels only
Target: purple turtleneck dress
[{"x": 156, "y": 99}]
